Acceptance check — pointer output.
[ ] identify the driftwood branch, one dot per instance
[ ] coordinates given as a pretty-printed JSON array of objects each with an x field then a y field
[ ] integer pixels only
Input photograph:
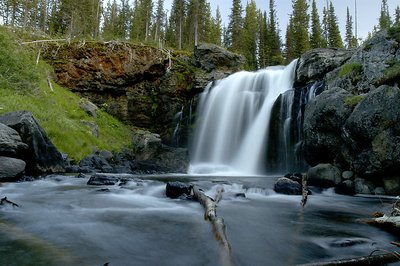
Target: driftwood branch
[
  {"x": 4, "y": 200},
  {"x": 381, "y": 259},
  {"x": 49, "y": 84},
  {"x": 218, "y": 224},
  {"x": 42, "y": 41},
  {"x": 304, "y": 192}
]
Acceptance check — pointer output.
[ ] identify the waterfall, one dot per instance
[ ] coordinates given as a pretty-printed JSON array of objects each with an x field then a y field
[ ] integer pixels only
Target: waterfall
[
  {"x": 175, "y": 135},
  {"x": 233, "y": 121}
]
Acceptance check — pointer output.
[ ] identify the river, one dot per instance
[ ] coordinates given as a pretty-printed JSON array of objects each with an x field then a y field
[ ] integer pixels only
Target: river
[{"x": 63, "y": 221}]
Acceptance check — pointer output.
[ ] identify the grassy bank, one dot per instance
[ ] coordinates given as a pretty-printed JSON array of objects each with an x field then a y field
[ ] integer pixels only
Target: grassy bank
[{"x": 23, "y": 86}]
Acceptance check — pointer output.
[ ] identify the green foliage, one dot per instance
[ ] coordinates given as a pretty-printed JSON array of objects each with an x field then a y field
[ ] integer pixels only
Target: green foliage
[
  {"x": 353, "y": 68},
  {"x": 334, "y": 37},
  {"x": 316, "y": 37},
  {"x": 353, "y": 100},
  {"x": 384, "y": 18},
  {"x": 235, "y": 26},
  {"x": 58, "y": 112},
  {"x": 394, "y": 33},
  {"x": 12, "y": 70},
  {"x": 391, "y": 75},
  {"x": 249, "y": 36},
  {"x": 299, "y": 28}
]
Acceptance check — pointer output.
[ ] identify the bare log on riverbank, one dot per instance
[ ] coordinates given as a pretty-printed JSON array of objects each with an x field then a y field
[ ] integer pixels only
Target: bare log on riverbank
[{"x": 381, "y": 259}]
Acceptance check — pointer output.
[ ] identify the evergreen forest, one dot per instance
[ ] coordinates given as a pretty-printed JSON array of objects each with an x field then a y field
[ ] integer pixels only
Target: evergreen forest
[{"x": 249, "y": 31}]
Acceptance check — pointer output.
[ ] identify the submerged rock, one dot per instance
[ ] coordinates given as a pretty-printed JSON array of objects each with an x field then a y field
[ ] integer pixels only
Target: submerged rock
[
  {"x": 102, "y": 180},
  {"x": 287, "y": 186},
  {"x": 177, "y": 189}
]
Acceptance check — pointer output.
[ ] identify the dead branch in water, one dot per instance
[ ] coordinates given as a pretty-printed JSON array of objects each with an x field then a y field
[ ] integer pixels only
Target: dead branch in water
[
  {"x": 5, "y": 200},
  {"x": 304, "y": 189}
]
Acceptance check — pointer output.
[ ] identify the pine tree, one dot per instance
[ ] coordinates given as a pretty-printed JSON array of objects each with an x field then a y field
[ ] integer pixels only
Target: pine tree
[
  {"x": 274, "y": 45},
  {"x": 249, "y": 36},
  {"x": 235, "y": 26},
  {"x": 300, "y": 21},
  {"x": 384, "y": 18},
  {"x": 397, "y": 17},
  {"x": 289, "y": 46},
  {"x": 316, "y": 37},
  {"x": 350, "y": 39},
  {"x": 216, "y": 28},
  {"x": 334, "y": 37},
  {"x": 159, "y": 22},
  {"x": 263, "y": 48},
  {"x": 176, "y": 24}
]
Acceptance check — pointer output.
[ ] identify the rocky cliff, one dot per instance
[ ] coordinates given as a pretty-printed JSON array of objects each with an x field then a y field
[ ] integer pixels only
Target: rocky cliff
[
  {"x": 354, "y": 124},
  {"x": 143, "y": 86}
]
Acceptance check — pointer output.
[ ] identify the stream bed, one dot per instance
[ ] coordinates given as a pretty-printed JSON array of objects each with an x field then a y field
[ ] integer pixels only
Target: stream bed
[{"x": 63, "y": 221}]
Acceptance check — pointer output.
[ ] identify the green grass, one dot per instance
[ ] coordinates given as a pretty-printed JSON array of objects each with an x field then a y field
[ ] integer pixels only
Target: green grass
[
  {"x": 354, "y": 68},
  {"x": 23, "y": 86},
  {"x": 353, "y": 100}
]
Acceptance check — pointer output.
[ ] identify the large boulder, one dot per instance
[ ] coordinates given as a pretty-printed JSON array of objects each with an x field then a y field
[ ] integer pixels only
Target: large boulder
[
  {"x": 41, "y": 156},
  {"x": 210, "y": 57},
  {"x": 10, "y": 141},
  {"x": 313, "y": 65},
  {"x": 146, "y": 145},
  {"x": 372, "y": 133},
  {"x": 287, "y": 186},
  {"x": 11, "y": 169},
  {"x": 324, "y": 118},
  {"x": 324, "y": 175}
]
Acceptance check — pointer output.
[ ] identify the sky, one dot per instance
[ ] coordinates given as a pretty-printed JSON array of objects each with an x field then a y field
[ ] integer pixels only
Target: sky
[{"x": 367, "y": 11}]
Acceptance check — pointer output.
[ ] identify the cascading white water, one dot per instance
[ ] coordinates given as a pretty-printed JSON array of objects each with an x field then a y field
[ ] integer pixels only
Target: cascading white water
[{"x": 233, "y": 121}]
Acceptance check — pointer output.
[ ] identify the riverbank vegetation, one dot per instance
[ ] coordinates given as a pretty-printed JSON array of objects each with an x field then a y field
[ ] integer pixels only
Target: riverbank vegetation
[{"x": 27, "y": 85}]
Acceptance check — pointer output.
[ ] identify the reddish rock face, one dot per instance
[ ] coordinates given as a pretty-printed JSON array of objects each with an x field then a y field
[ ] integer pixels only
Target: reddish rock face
[{"x": 131, "y": 82}]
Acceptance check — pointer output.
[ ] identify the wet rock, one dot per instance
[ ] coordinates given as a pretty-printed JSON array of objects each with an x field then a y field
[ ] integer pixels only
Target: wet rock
[
  {"x": 347, "y": 174},
  {"x": 324, "y": 118},
  {"x": 362, "y": 186},
  {"x": 10, "y": 141},
  {"x": 346, "y": 188},
  {"x": 11, "y": 169},
  {"x": 41, "y": 156},
  {"x": 96, "y": 163},
  {"x": 372, "y": 133},
  {"x": 324, "y": 175},
  {"x": 102, "y": 180},
  {"x": 392, "y": 185},
  {"x": 177, "y": 189},
  {"x": 287, "y": 186}
]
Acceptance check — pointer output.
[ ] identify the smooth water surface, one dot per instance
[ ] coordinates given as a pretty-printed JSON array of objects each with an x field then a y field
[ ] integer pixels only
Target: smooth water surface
[{"x": 63, "y": 221}]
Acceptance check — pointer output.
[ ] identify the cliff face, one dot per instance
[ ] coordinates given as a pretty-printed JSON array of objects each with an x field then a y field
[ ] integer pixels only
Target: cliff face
[
  {"x": 354, "y": 123},
  {"x": 141, "y": 85}
]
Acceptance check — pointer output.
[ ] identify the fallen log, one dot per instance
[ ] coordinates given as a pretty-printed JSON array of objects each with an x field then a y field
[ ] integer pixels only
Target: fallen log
[
  {"x": 210, "y": 214},
  {"x": 381, "y": 259},
  {"x": 4, "y": 201},
  {"x": 304, "y": 190}
]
